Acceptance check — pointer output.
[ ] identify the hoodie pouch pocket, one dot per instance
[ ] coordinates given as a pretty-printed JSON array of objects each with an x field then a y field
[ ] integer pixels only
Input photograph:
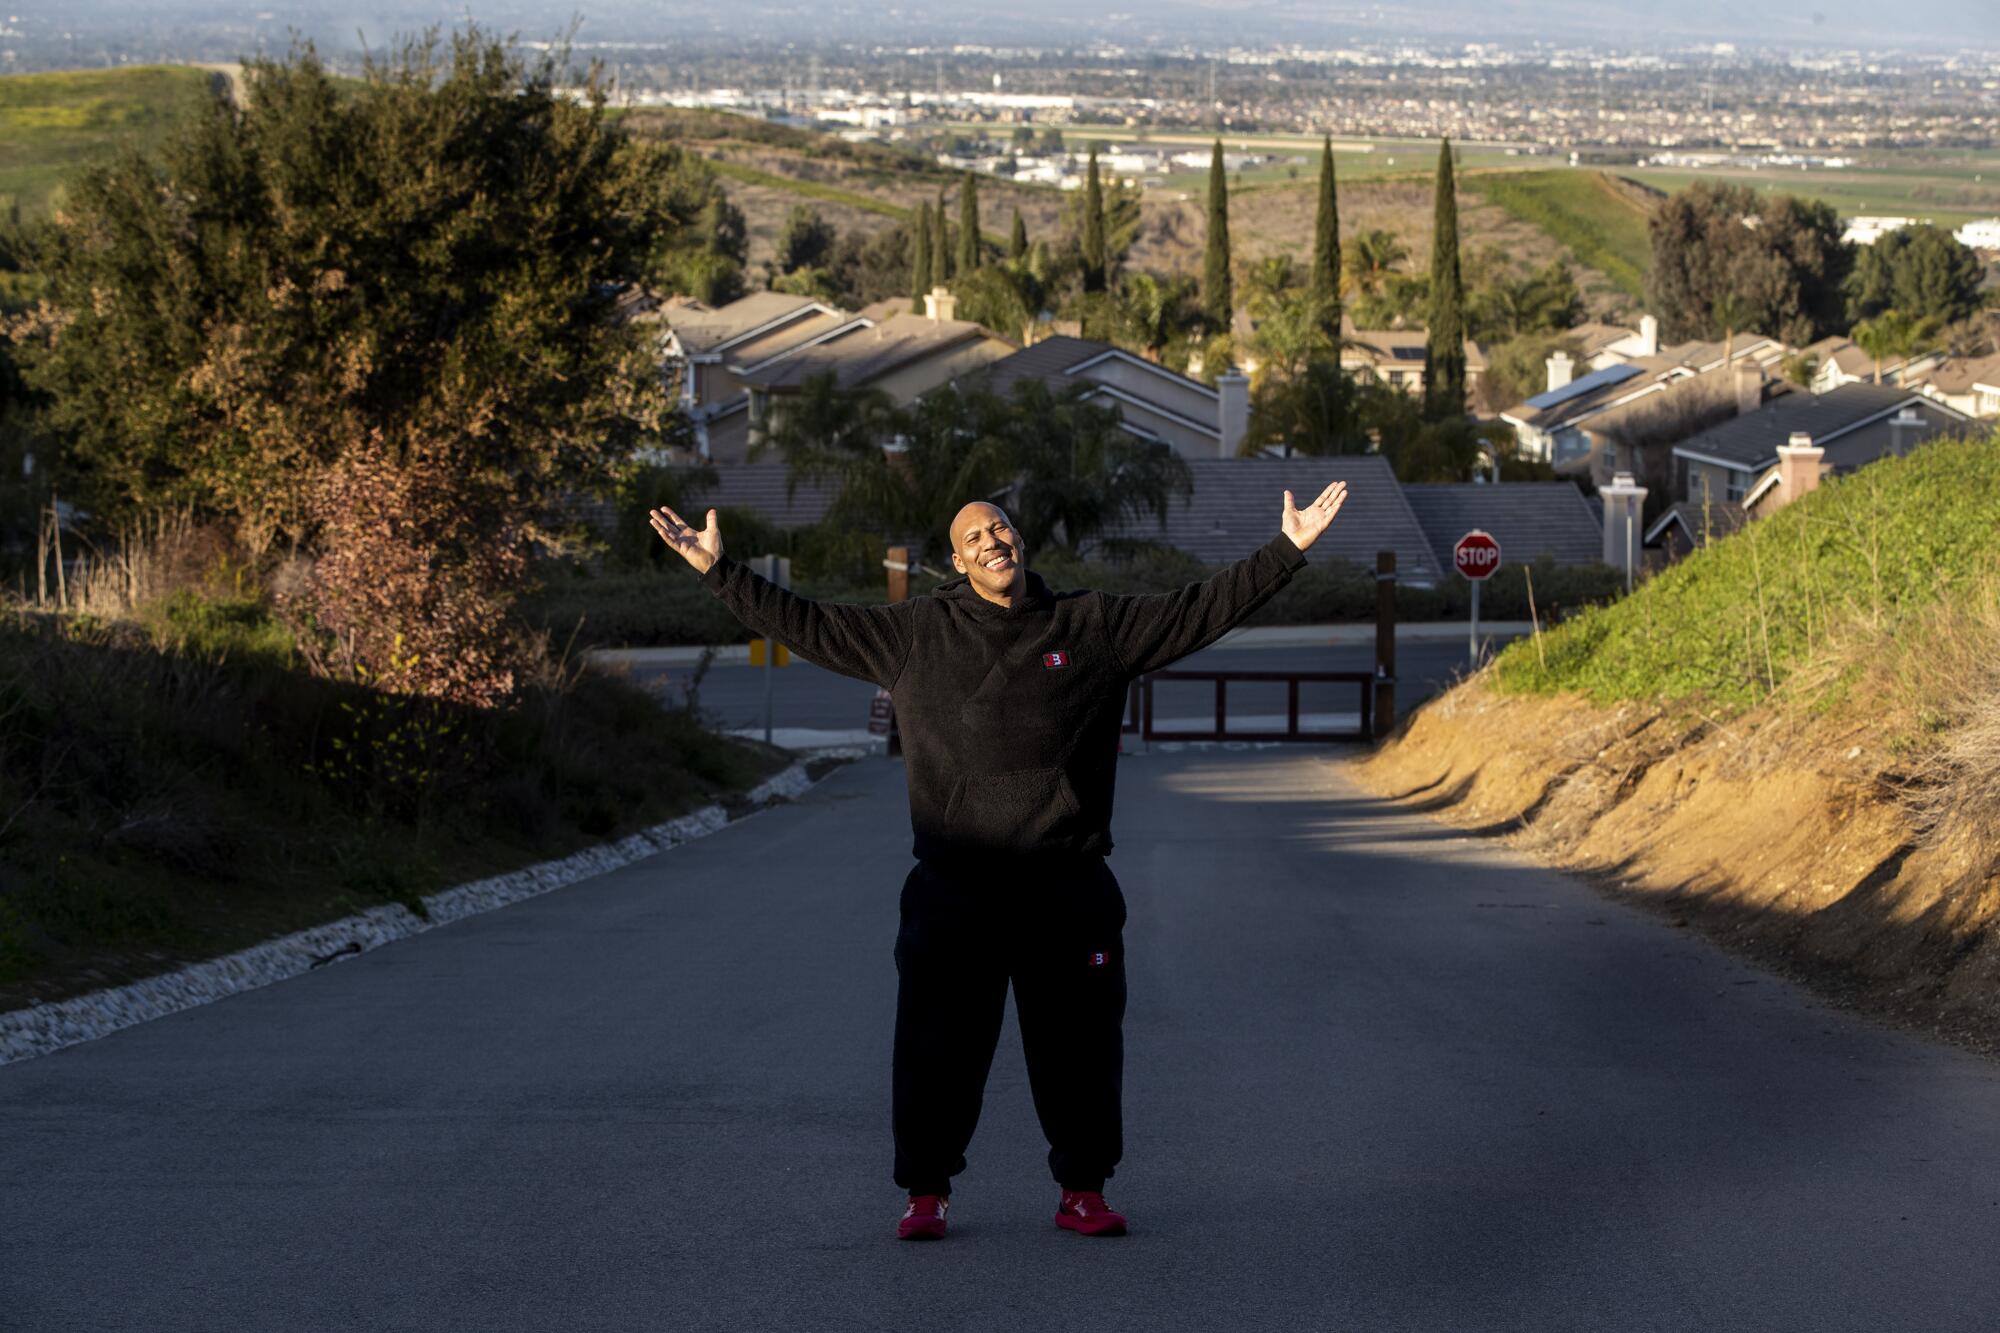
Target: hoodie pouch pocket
[{"x": 1011, "y": 812}]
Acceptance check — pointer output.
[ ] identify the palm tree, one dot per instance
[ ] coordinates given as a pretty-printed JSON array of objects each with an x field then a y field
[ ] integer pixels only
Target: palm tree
[
  {"x": 1731, "y": 312},
  {"x": 1079, "y": 472},
  {"x": 1891, "y": 335},
  {"x": 1156, "y": 310},
  {"x": 1368, "y": 261}
]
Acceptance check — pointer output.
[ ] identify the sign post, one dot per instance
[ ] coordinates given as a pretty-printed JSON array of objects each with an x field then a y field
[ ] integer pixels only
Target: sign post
[
  {"x": 1476, "y": 557},
  {"x": 778, "y": 570}
]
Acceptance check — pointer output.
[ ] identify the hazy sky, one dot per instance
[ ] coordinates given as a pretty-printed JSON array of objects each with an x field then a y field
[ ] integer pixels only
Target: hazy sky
[{"x": 1933, "y": 24}]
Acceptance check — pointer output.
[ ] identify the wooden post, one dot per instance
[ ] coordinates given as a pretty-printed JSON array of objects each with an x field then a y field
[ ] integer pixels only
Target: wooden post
[
  {"x": 1385, "y": 643},
  {"x": 898, "y": 565},
  {"x": 899, "y": 573}
]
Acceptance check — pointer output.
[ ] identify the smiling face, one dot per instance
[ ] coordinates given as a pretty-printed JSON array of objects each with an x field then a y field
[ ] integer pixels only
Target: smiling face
[{"x": 987, "y": 550}]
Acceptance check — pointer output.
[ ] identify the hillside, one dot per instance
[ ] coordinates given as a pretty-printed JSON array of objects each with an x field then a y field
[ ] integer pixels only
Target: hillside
[
  {"x": 1600, "y": 220},
  {"x": 53, "y": 124},
  {"x": 1789, "y": 741}
]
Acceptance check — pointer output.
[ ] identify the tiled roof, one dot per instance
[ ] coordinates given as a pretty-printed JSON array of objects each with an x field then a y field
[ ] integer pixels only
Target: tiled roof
[
  {"x": 857, "y": 359},
  {"x": 1960, "y": 375},
  {"x": 1237, "y": 503},
  {"x": 1751, "y": 441},
  {"x": 761, "y": 488},
  {"x": 700, "y": 328},
  {"x": 1529, "y": 519},
  {"x": 1051, "y": 360}
]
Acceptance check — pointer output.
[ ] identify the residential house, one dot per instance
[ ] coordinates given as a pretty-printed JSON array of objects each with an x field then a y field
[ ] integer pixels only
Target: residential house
[
  {"x": 1637, "y": 435},
  {"x": 1154, "y": 403},
  {"x": 1837, "y": 361},
  {"x": 1551, "y": 426},
  {"x": 1967, "y": 384},
  {"x": 703, "y": 342},
  {"x": 884, "y": 348},
  {"x": 1237, "y": 503},
  {"x": 1396, "y": 357},
  {"x": 1531, "y": 520},
  {"x": 1851, "y": 425}
]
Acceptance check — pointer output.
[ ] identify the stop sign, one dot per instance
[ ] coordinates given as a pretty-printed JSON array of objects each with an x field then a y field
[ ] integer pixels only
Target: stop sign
[{"x": 1477, "y": 555}]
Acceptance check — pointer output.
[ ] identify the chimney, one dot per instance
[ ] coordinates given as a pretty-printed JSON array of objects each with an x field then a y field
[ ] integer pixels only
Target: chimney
[
  {"x": 1649, "y": 336},
  {"x": 1749, "y": 387},
  {"x": 1624, "y": 503},
  {"x": 1232, "y": 393},
  {"x": 1798, "y": 467},
  {"x": 940, "y": 305},
  {"x": 1561, "y": 370},
  {"x": 1906, "y": 428}
]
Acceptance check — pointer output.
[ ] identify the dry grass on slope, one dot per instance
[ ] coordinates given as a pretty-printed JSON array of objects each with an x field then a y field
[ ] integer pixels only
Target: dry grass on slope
[{"x": 1845, "y": 831}]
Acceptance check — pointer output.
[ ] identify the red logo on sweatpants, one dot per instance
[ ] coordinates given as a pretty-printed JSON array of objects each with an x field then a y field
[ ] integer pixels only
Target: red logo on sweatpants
[
  {"x": 1099, "y": 959},
  {"x": 1055, "y": 659}
]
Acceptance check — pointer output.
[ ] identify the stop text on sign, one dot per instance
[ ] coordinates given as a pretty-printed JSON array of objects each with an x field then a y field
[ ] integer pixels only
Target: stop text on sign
[{"x": 1477, "y": 555}]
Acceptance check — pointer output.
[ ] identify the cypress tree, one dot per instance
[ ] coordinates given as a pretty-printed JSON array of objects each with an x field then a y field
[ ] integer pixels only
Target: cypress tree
[
  {"x": 920, "y": 259},
  {"x": 940, "y": 244},
  {"x": 1444, "y": 352},
  {"x": 968, "y": 224},
  {"x": 1094, "y": 265},
  {"x": 1218, "y": 298},
  {"x": 1325, "y": 286},
  {"x": 1017, "y": 240}
]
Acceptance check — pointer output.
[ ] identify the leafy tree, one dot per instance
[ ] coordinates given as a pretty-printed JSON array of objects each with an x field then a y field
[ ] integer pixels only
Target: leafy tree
[
  {"x": 1444, "y": 350},
  {"x": 723, "y": 230},
  {"x": 921, "y": 277},
  {"x": 806, "y": 241},
  {"x": 1517, "y": 369},
  {"x": 1921, "y": 270},
  {"x": 1218, "y": 300},
  {"x": 968, "y": 224},
  {"x": 865, "y": 268},
  {"x": 1017, "y": 238},
  {"x": 1269, "y": 279},
  {"x": 1052, "y": 140},
  {"x": 388, "y": 332},
  {"x": 1095, "y": 261},
  {"x": 1291, "y": 333},
  {"x": 1326, "y": 270},
  {"x": 1783, "y": 256}
]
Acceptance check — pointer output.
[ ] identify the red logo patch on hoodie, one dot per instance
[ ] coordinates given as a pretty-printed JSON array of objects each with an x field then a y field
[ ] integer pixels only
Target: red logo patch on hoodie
[{"x": 1055, "y": 659}]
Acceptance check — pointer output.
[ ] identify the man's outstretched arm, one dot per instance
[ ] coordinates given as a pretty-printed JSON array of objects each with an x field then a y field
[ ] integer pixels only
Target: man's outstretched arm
[
  {"x": 1149, "y": 632},
  {"x": 867, "y": 642}
]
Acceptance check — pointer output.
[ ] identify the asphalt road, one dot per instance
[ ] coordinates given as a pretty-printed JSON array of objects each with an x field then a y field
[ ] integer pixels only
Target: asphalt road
[
  {"x": 1380, "y": 1076},
  {"x": 805, "y": 696}
]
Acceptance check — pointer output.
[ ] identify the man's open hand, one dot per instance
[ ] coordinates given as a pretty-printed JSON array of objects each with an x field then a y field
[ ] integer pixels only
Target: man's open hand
[
  {"x": 1304, "y": 526},
  {"x": 700, "y": 549}
]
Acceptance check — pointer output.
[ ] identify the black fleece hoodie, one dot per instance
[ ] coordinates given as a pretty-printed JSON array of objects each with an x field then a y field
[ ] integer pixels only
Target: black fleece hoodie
[{"x": 1009, "y": 715}]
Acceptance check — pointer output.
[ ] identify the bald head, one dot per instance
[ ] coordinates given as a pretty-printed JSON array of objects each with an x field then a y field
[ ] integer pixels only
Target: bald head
[
  {"x": 974, "y": 516},
  {"x": 986, "y": 549}
]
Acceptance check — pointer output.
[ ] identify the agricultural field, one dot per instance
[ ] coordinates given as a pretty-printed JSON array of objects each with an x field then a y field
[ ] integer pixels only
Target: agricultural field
[
  {"x": 51, "y": 125},
  {"x": 1947, "y": 189}
]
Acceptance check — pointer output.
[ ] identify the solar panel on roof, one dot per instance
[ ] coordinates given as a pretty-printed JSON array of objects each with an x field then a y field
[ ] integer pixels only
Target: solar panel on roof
[
  {"x": 1407, "y": 353},
  {"x": 1596, "y": 379}
]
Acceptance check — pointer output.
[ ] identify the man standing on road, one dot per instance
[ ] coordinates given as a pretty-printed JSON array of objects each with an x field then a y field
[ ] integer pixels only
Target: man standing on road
[{"x": 1009, "y": 697}]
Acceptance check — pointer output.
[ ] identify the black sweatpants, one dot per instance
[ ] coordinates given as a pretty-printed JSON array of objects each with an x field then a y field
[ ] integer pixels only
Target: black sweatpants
[{"x": 1053, "y": 927}]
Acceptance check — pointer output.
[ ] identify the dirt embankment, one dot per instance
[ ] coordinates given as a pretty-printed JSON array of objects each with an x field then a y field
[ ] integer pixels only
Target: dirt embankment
[{"x": 1788, "y": 835}]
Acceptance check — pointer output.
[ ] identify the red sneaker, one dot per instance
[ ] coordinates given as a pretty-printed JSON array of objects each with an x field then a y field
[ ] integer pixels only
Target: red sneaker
[
  {"x": 924, "y": 1218},
  {"x": 1086, "y": 1213}
]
